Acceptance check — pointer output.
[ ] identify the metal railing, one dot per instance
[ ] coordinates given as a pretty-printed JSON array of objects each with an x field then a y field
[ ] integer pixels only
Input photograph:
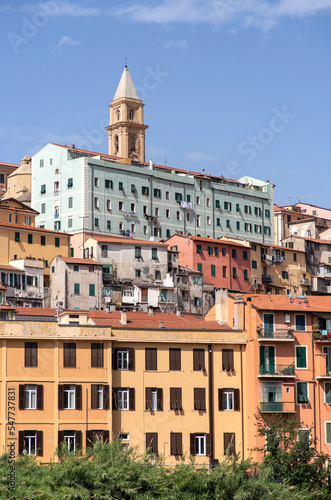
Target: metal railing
[
  {"x": 277, "y": 370},
  {"x": 276, "y": 334}
]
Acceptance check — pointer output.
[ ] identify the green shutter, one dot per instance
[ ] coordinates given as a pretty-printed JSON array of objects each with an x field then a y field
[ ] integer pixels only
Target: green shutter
[
  {"x": 302, "y": 389},
  {"x": 272, "y": 360},
  {"x": 301, "y": 357},
  {"x": 200, "y": 267},
  {"x": 213, "y": 270},
  {"x": 328, "y": 392}
]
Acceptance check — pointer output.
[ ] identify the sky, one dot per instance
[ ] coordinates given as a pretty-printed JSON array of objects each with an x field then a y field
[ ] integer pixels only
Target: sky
[{"x": 234, "y": 87}]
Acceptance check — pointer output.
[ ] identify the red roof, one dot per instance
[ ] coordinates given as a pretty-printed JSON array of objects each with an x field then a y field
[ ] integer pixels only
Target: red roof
[
  {"x": 74, "y": 260},
  {"x": 32, "y": 228},
  {"x": 144, "y": 320},
  {"x": 9, "y": 164},
  {"x": 311, "y": 303},
  {"x": 209, "y": 240},
  {"x": 35, "y": 311},
  {"x": 8, "y": 267}
]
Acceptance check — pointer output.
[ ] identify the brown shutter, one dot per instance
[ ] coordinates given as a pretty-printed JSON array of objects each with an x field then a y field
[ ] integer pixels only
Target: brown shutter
[
  {"x": 151, "y": 442},
  {"x": 66, "y": 355},
  {"x": 78, "y": 405},
  {"x": 179, "y": 398},
  {"x": 114, "y": 358},
  {"x": 208, "y": 445},
  {"x": 94, "y": 397},
  {"x": 220, "y": 399},
  {"x": 40, "y": 397},
  {"x": 131, "y": 399},
  {"x": 106, "y": 436},
  {"x": 21, "y": 397},
  {"x": 106, "y": 397},
  {"x": 61, "y": 397},
  {"x": 227, "y": 360},
  {"x": 171, "y": 359},
  {"x": 148, "y": 359},
  {"x": 198, "y": 359},
  {"x": 154, "y": 359},
  {"x": 173, "y": 393},
  {"x": 236, "y": 400},
  {"x": 79, "y": 440},
  {"x": 115, "y": 398},
  {"x": 224, "y": 360},
  {"x": 174, "y": 359},
  {"x": 173, "y": 444},
  {"x": 148, "y": 393},
  {"x": 155, "y": 443},
  {"x": 40, "y": 447},
  {"x": 89, "y": 442},
  {"x": 159, "y": 400},
  {"x": 131, "y": 359},
  {"x": 94, "y": 356},
  {"x": 34, "y": 357},
  {"x": 176, "y": 443},
  {"x": 197, "y": 399},
  {"x": 203, "y": 399},
  {"x": 192, "y": 444},
  {"x": 20, "y": 442},
  {"x": 229, "y": 443},
  {"x": 179, "y": 443},
  {"x": 60, "y": 438},
  {"x": 195, "y": 360}
]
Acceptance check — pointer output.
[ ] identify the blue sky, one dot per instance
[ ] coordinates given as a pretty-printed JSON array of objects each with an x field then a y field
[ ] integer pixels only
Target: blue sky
[{"x": 235, "y": 87}]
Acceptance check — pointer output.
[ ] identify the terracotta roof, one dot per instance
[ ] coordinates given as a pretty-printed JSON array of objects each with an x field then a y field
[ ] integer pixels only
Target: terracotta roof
[
  {"x": 322, "y": 242},
  {"x": 32, "y": 228},
  {"x": 125, "y": 241},
  {"x": 8, "y": 164},
  {"x": 144, "y": 320},
  {"x": 8, "y": 267},
  {"x": 278, "y": 246},
  {"x": 35, "y": 311},
  {"x": 18, "y": 209},
  {"x": 74, "y": 260},
  {"x": 210, "y": 240},
  {"x": 311, "y": 303}
]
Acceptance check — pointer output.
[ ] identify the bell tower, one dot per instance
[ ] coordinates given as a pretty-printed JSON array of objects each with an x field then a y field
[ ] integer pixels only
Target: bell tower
[{"x": 126, "y": 130}]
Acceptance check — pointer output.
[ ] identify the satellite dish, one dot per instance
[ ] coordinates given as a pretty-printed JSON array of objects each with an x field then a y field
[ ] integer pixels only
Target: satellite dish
[{"x": 151, "y": 238}]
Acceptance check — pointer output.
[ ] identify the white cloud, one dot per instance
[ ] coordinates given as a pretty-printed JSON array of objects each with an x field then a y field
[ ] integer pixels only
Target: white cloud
[
  {"x": 66, "y": 41},
  {"x": 199, "y": 156},
  {"x": 176, "y": 44},
  {"x": 264, "y": 14}
]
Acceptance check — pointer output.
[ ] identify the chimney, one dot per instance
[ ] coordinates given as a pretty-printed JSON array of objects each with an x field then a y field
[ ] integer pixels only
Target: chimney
[
  {"x": 178, "y": 312},
  {"x": 124, "y": 319},
  {"x": 151, "y": 166},
  {"x": 150, "y": 311},
  {"x": 221, "y": 306},
  {"x": 239, "y": 312}
]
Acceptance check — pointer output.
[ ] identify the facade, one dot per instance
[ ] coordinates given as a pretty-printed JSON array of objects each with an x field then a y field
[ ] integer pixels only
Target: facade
[
  {"x": 293, "y": 220},
  {"x": 5, "y": 170},
  {"x": 279, "y": 270},
  {"x": 169, "y": 384},
  {"x": 289, "y": 369},
  {"x": 307, "y": 208},
  {"x": 192, "y": 294},
  {"x": 75, "y": 283},
  {"x": 224, "y": 264},
  {"x": 14, "y": 211}
]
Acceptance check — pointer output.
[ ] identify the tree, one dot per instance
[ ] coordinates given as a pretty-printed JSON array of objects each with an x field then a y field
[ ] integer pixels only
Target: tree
[{"x": 290, "y": 453}]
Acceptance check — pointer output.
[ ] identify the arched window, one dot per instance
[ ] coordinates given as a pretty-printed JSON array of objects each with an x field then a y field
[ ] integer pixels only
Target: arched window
[
  {"x": 131, "y": 114},
  {"x": 116, "y": 144},
  {"x": 118, "y": 114}
]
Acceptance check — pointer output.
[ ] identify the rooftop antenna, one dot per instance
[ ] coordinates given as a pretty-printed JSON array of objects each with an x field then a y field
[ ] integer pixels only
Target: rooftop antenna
[
  {"x": 125, "y": 62},
  {"x": 165, "y": 159}
]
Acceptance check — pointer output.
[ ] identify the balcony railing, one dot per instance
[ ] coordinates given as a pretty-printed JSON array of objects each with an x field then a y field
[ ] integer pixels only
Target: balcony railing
[
  {"x": 278, "y": 370},
  {"x": 267, "y": 278},
  {"x": 277, "y": 406},
  {"x": 321, "y": 335},
  {"x": 285, "y": 334},
  {"x": 305, "y": 281}
]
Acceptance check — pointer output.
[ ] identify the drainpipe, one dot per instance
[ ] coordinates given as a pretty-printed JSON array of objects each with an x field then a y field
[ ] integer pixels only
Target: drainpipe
[
  {"x": 242, "y": 403},
  {"x": 314, "y": 387},
  {"x": 211, "y": 401}
]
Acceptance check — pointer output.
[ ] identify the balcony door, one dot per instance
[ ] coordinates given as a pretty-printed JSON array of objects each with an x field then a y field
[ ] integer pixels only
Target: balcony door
[
  {"x": 267, "y": 360},
  {"x": 268, "y": 324}
]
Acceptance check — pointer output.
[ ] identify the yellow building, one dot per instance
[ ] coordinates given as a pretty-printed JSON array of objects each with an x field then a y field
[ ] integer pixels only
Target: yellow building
[
  {"x": 168, "y": 383},
  {"x": 278, "y": 269}
]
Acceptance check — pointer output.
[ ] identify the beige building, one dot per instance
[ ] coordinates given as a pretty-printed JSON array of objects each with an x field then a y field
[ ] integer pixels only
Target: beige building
[
  {"x": 19, "y": 182},
  {"x": 126, "y": 131},
  {"x": 5, "y": 170}
]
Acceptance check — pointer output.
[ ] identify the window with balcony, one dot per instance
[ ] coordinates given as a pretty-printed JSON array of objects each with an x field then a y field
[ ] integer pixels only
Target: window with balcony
[
  {"x": 271, "y": 396},
  {"x": 267, "y": 360}
]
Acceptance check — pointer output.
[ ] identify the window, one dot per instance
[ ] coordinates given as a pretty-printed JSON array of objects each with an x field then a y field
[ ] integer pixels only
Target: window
[
  {"x": 151, "y": 443},
  {"x": 228, "y": 223},
  {"x": 245, "y": 274},
  {"x": 176, "y": 447},
  {"x": 227, "y": 205},
  {"x": 154, "y": 399},
  {"x": 31, "y": 397},
  {"x": 123, "y": 359},
  {"x": 248, "y": 227},
  {"x": 229, "y": 443},
  {"x": 174, "y": 359},
  {"x": 30, "y": 443},
  {"x": 198, "y": 221},
  {"x": 200, "y": 399},
  {"x": 208, "y": 220},
  {"x": 42, "y": 209},
  {"x": 300, "y": 322},
  {"x": 285, "y": 275},
  {"x": 138, "y": 273},
  {"x": 199, "y": 268},
  {"x": 301, "y": 356},
  {"x": 76, "y": 267},
  {"x": 237, "y": 207},
  {"x": 267, "y": 212},
  {"x": 228, "y": 399},
  {"x": 178, "y": 197},
  {"x": 120, "y": 186},
  {"x": 108, "y": 184},
  {"x": 96, "y": 202},
  {"x": 167, "y": 213},
  {"x": 70, "y": 397},
  {"x": 223, "y": 252},
  {"x": 167, "y": 195},
  {"x": 27, "y": 221},
  {"x": 57, "y": 242},
  {"x": 248, "y": 209},
  {"x": 69, "y": 355},
  {"x": 96, "y": 436},
  {"x": 145, "y": 229},
  {"x": 76, "y": 289},
  {"x": 99, "y": 396},
  {"x": 218, "y": 221},
  {"x": 123, "y": 398},
  {"x": 157, "y": 275},
  {"x": 302, "y": 393},
  {"x": 224, "y": 271},
  {"x": 176, "y": 398},
  {"x": 17, "y": 237},
  {"x": 157, "y": 193},
  {"x": 150, "y": 358},
  {"x": 96, "y": 222},
  {"x": 227, "y": 360},
  {"x": 70, "y": 183},
  {"x": 43, "y": 189},
  {"x": 213, "y": 270},
  {"x": 31, "y": 354},
  {"x": 96, "y": 355},
  {"x": 108, "y": 224},
  {"x": 327, "y": 393},
  {"x": 145, "y": 190},
  {"x": 200, "y": 444},
  {"x": 238, "y": 225},
  {"x": 198, "y": 359},
  {"x": 234, "y": 272},
  {"x": 217, "y": 204},
  {"x": 43, "y": 240},
  {"x": 154, "y": 253},
  {"x": 328, "y": 432},
  {"x": 72, "y": 439},
  {"x": 91, "y": 289},
  {"x": 234, "y": 253}
]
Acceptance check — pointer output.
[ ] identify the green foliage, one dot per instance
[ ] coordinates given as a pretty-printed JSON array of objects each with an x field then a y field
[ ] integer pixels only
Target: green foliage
[
  {"x": 290, "y": 453},
  {"x": 109, "y": 472}
]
